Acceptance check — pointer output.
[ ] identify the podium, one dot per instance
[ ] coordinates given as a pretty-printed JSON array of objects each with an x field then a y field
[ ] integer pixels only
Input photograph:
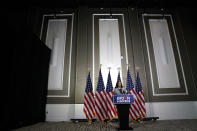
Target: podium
[{"x": 122, "y": 103}]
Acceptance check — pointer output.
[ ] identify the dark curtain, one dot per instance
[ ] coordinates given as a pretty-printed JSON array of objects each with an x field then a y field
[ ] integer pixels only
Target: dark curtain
[{"x": 25, "y": 73}]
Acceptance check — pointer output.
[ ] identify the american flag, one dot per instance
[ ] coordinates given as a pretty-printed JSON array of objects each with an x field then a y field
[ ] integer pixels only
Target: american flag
[
  {"x": 134, "y": 108},
  {"x": 89, "y": 103},
  {"x": 118, "y": 79},
  {"x": 140, "y": 97},
  {"x": 100, "y": 100},
  {"x": 111, "y": 110}
]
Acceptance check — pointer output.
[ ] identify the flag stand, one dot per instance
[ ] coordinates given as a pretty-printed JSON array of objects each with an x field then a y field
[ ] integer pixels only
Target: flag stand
[{"x": 114, "y": 120}]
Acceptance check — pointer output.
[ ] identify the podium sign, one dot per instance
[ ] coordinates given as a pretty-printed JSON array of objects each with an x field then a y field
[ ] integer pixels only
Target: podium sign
[{"x": 123, "y": 99}]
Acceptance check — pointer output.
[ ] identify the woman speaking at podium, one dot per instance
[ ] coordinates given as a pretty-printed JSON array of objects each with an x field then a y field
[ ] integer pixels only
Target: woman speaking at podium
[
  {"x": 119, "y": 90},
  {"x": 123, "y": 109}
]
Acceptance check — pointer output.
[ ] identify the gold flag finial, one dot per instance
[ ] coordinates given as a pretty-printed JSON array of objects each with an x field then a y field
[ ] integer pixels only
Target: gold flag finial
[
  {"x": 118, "y": 69},
  {"x": 88, "y": 71},
  {"x": 128, "y": 66},
  {"x": 109, "y": 68},
  {"x": 100, "y": 66},
  {"x": 137, "y": 69}
]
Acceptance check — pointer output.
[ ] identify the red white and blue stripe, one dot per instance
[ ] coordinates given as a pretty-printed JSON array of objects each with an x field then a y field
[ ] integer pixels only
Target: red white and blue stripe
[
  {"x": 89, "y": 102},
  {"x": 111, "y": 110},
  {"x": 134, "y": 108},
  {"x": 140, "y": 97},
  {"x": 100, "y": 100}
]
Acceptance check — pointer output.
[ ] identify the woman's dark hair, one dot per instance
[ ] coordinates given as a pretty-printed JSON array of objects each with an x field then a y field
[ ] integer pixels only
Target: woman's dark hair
[{"x": 117, "y": 84}]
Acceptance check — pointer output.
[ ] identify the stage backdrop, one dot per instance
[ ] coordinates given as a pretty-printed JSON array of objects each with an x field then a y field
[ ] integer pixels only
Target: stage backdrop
[{"x": 152, "y": 42}]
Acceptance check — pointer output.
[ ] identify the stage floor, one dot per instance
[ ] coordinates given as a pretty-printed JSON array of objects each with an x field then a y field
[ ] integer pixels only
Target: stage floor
[{"x": 159, "y": 125}]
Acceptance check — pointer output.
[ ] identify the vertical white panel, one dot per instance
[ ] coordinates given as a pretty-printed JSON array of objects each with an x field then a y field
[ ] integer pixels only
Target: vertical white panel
[
  {"x": 56, "y": 41},
  {"x": 172, "y": 110},
  {"x": 163, "y": 53},
  {"x": 109, "y": 48},
  {"x": 60, "y": 112}
]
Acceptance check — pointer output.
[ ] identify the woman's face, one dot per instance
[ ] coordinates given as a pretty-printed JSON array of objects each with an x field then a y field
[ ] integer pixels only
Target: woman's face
[{"x": 119, "y": 84}]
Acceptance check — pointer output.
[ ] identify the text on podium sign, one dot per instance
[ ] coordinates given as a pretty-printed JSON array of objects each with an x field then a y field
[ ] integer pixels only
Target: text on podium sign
[{"x": 123, "y": 99}]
